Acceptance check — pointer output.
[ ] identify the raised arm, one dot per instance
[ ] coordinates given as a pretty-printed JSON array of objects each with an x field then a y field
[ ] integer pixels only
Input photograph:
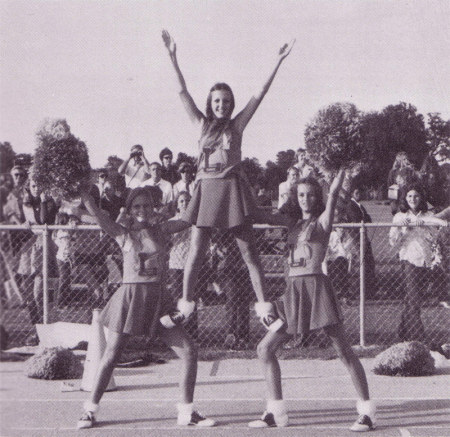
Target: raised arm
[
  {"x": 194, "y": 113},
  {"x": 246, "y": 114},
  {"x": 326, "y": 218},
  {"x": 104, "y": 220}
]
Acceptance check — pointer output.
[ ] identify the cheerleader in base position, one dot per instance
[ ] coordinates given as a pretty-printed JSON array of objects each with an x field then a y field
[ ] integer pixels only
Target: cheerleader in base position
[
  {"x": 137, "y": 306},
  {"x": 310, "y": 302},
  {"x": 222, "y": 196}
]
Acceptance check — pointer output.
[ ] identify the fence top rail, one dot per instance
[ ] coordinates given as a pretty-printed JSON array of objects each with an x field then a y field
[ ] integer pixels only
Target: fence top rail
[{"x": 10, "y": 227}]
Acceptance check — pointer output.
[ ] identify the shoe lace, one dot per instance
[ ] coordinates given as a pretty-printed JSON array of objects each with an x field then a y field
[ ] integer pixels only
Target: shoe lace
[{"x": 87, "y": 415}]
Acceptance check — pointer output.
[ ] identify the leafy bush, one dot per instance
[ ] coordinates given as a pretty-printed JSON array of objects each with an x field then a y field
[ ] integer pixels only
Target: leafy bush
[
  {"x": 410, "y": 358},
  {"x": 61, "y": 161},
  {"x": 332, "y": 138},
  {"x": 54, "y": 363}
]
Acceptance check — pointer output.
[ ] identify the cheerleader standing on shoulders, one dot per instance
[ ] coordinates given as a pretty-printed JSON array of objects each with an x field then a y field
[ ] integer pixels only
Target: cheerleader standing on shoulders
[
  {"x": 222, "y": 196},
  {"x": 137, "y": 306},
  {"x": 310, "y": 302}
]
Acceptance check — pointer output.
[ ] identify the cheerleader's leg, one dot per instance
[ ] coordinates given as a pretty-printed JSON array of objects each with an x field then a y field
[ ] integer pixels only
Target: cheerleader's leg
[
  {"x": 200, "y": 238},
  {"x": 246, "y": 243}
]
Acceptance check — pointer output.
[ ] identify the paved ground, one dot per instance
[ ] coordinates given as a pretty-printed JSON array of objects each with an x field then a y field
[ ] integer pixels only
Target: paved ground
[{"x": 319, "y": 396}]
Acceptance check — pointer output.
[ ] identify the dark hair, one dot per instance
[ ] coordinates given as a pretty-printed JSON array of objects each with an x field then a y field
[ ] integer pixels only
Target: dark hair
[
  {"x": 164, "y": 152},
  {"x": 218, "y": 87},
  {"x": 403, "y": 204},
  {"x": 140, "y": 191},
  {"x": 319, "y": 207},
  {"x": 62, "y": 218}
]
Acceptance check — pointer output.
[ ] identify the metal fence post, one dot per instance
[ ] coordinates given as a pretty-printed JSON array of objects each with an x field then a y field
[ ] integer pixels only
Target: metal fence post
[
  {"x": 45, "y": 251},
  {"x": 362, "y": 282}
]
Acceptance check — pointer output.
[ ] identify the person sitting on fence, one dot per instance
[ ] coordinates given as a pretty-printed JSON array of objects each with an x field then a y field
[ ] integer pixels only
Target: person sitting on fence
[
  {"x": 140, "y": 305},
  {"x": 65, "y": 242},
  {"x": 416, "y": 249},
  {"x": 309, "y": 302}
]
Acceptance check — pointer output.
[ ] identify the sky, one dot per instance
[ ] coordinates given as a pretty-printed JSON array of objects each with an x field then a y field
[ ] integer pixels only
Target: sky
[{"x": 102, "y": 66}]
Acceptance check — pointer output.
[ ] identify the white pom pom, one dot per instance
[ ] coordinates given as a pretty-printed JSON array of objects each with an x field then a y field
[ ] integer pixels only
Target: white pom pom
[
  {"x": 263, "y": 308},
  {"x": 186, "y": 307}
]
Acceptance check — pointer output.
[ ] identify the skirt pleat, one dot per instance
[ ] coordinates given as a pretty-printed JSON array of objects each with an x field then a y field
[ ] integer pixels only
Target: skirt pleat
[{"x": 308, "y": 304}]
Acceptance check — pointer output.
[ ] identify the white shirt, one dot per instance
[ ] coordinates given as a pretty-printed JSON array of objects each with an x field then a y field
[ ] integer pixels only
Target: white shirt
[
  {"x": 283, "y": 193},
  {"x": 181, "y": 186},
  {"x": 135, "y": 175},
  {"x": 415, "y": 243},
  {"x": 164, "y": 186}
]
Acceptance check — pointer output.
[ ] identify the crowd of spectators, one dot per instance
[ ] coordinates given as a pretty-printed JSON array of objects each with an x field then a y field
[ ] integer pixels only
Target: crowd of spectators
[{"x": 172, "y": 187}]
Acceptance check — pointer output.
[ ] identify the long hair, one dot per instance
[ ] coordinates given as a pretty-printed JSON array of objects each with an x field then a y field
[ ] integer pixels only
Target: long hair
[
  {"x": 403, "y": 204},
  {"x": 221, "y": 86},
  {"x": 319, "y": 206},
  {"x": 140, "y": 191}
]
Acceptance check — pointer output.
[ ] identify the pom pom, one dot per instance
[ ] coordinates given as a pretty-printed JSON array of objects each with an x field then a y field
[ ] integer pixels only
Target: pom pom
[
  {"x": 185, "y": 307},
  {"x": 262, "y": 309},
  {"x": 54, "y": 363},
  {"x": 332, "y": 138},
  {"x": 61, "y": 161},
  {"x": 410, "y": 358}
]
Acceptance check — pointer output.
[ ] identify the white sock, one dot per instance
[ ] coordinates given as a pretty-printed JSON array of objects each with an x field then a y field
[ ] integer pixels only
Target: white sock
[
  {"x": 90, "y": 406},
  {"x": 276, "y": 407},
  {"x": 367, "y": 408},
  {"x": 185, "y": 408}
]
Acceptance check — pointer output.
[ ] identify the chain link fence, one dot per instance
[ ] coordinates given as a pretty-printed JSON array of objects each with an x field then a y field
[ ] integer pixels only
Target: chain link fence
[{"x": 367, "y": 276}]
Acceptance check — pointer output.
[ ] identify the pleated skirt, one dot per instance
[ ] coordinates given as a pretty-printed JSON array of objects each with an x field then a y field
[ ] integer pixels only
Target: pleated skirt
[
  {"x": 135, "y": 309},
  {"x": 308, "y": 304},
  {"x": 220, "y": 203}
]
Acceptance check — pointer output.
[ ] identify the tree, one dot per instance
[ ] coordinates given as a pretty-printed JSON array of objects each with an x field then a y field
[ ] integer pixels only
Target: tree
[
  {"x": 286, "y": 159},
  {"x": 253, "y": 170},
  {"x": 438, "y": 132},
  {"x": 273, "y": 176},
  {"x": 383, "y": 134},
  {"x": 113, "y": 162},
  {"x": 7, "y": 156}
]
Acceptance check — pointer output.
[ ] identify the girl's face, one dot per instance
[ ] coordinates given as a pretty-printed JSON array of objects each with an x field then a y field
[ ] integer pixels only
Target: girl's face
[
  {"x": 413, "y": 200},
  {"x": 221, "y": 103},
  {"x": 34, "y": 190},
  {"x": 182, "y": 203},
  {"x": 141, "y": 208},
  {"x": 307, "y": 197},
  {"x": 292, "y": 176}
]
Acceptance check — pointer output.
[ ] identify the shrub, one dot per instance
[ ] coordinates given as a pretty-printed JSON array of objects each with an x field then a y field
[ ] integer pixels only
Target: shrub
[
  {"x": 410, "y": 358},
  {"x": 54, "y": 363}
]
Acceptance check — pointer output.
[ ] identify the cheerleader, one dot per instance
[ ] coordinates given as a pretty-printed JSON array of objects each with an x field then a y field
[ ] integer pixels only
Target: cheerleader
[
  {"x": 222, "y": 196},
  {"x": 137, "y": 306},
  {"x": 310, "y": 302}
]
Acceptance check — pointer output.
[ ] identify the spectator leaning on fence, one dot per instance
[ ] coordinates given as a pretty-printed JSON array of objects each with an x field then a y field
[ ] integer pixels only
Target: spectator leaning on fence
[
  {"x": 65, "y": 243},
  {"x": 169, "y": 171},
  {"x": 137, "y": 306},
  {"x": 135, "y": 167},
  {"x": 355, "y": 212},
  {"x": 415, "y": 247},
  {"x": 310, "y": 302}
]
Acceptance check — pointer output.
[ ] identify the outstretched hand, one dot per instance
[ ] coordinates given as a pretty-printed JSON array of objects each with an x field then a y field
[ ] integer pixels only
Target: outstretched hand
[
  {"x": 169, "y": 42},
  {"x": 285, "y": 50}
]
